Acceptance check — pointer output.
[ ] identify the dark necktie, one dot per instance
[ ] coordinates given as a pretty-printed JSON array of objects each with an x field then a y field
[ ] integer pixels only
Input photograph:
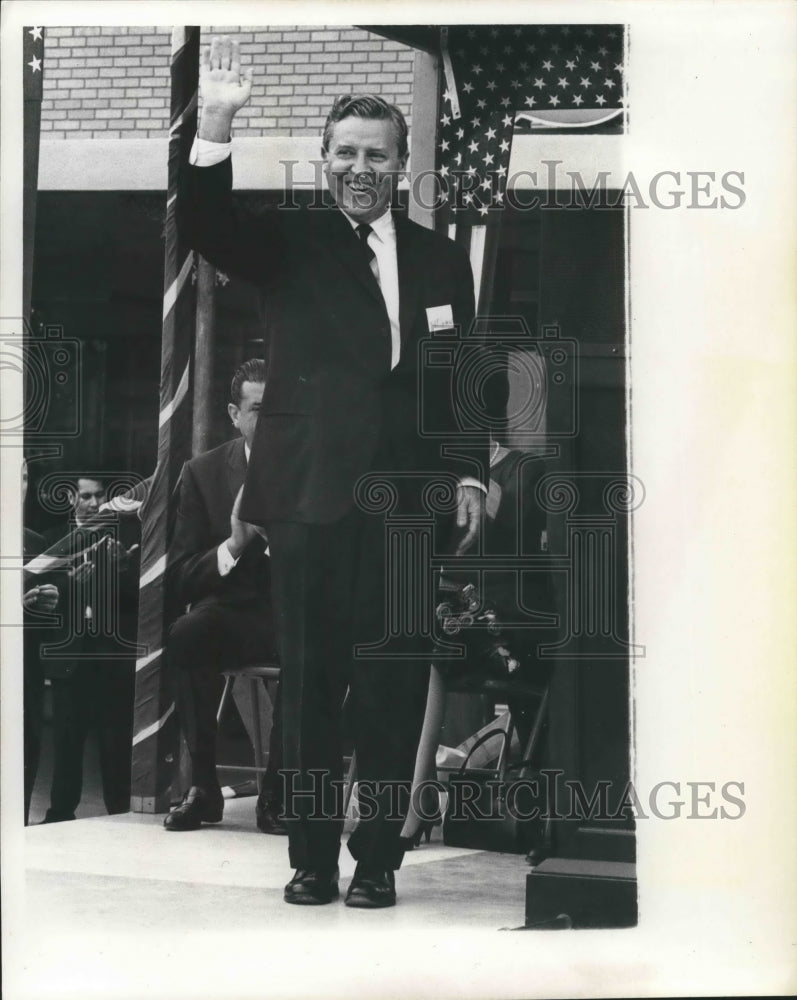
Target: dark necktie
[{"x": 364, "y": 231}]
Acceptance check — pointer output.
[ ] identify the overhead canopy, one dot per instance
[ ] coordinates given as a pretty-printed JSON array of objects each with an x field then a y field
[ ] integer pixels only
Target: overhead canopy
[{"x": 419, "y": 36}]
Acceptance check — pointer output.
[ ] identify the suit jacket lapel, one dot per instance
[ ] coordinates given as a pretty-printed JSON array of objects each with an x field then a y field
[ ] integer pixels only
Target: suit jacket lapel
[
  {"x": 410, "y": 271},
  {"x": 350, "y": 253},
  {"x": 236, "y": 468}
]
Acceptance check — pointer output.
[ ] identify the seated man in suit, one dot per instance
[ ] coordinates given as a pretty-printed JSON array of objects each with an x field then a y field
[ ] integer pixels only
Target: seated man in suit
[{"x": 218, "y": 564}]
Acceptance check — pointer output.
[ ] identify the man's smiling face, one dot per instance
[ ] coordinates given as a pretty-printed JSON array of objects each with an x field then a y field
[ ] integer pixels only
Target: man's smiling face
[{"x": 362, "y": 165}]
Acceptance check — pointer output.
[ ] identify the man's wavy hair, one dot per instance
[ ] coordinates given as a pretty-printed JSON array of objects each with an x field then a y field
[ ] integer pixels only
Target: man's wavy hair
[
  {"x": 366, "y": 106},
  {"x": 253, "y": 370}
]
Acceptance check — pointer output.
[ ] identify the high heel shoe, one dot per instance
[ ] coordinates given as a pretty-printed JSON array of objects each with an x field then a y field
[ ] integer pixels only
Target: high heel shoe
[
  {"x": 425, "y": 830},
  {"x": 429, "y": 807}
]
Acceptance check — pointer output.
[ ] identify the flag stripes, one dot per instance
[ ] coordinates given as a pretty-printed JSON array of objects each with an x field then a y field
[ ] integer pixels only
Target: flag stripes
[{"x": 153, "y": 742}]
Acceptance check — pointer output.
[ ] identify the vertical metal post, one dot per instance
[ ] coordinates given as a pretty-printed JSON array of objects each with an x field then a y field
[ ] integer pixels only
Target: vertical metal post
[{"x": 204, "y": 347}]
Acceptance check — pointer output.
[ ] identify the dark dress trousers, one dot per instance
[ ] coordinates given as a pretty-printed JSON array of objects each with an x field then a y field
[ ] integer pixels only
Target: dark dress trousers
[
  {"x": 229, "y": 623},
  {"x": 333, "y": 411},
  {"x": 91, "y": 666}
]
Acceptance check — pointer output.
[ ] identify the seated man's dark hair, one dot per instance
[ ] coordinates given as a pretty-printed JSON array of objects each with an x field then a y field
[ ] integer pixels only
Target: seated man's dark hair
[{"x": 253, "y": 370}]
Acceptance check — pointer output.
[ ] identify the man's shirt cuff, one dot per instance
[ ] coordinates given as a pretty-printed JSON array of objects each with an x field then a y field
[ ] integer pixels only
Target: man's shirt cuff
[
  {"x": 470, "y": 481},
  {"x": 224, "y": 559},
  {"x": 205, "y": 153}
]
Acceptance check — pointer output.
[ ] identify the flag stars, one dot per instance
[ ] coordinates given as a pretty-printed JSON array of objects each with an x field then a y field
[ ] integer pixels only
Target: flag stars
[
  {"x": 475, "y": 122},
  {"x": 508, "y": 120},
  {"x": 460, "y": 133},
  {"x": 516, "y": 85},
  {"x": 618, "y": 67},
  {"x": 488, "y": 158},
  {"x": 608, "y": 83},
  {"x": 504, "y": 147},
  {"x": 476, "y": 69},
  {"x": 482, "y": 210},
  {"x": 578, "y": 100},
  {"x": 530, "y": 101},
  {"x": 445, "y": 120},
  {"x": 586, "y": 82},
  {"x": 563, "y": 82},
  {"x": 547, "y": 65},
  {"x": 554, "y": 100},
  {"x": 603, "y": 51},
  {"x": 444, "y": 145},
  {"x": 490, "y": 133},
  {"x": 35, "y": 65},
  {"x": 467, "y": 87},
  {"x": 539, "y": 83},
  {"x": 571, "y": 64},
  {"x": 596, "y": 66},
  {"x": 492, "y": 85},
  {"x": 35, "y": 34},
  {"x": 505, "y": 102},
  {"x": 500, "y": 67},
  {"x": 600, "y": 99},
  {"x": 473, "y": 146}
]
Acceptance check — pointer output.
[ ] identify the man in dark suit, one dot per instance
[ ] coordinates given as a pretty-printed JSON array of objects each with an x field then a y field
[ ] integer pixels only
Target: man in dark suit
[
  {"x": 218, "y": 565},
  {"x": 92, "y": 668},
  {"x": 350, "y": 291}
]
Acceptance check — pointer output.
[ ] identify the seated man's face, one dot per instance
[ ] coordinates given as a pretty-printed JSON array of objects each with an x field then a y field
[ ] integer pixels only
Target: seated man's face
[
  {"x": 244, "y": 417},
  {"x": 362, "y": 165},
  {"x": 90, "y": 494}
]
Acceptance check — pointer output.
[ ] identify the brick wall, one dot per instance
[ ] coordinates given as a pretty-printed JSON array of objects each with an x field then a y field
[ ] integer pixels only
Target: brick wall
[{"x": 114, "y": 82}]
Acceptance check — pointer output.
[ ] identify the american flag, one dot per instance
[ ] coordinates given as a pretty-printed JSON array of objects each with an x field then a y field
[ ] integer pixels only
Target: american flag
[
  {"x": 496, "y": 76},
  {"x": 153, "y": 740},
  {"x": 33, "y": 60},
  {"x": 32, "y": 76}
]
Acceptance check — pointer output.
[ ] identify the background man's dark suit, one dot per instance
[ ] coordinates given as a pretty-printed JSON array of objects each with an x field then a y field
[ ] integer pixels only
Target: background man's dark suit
[
  {"x": 332, "y": 412},
  {"x": 230, "y": 620}
]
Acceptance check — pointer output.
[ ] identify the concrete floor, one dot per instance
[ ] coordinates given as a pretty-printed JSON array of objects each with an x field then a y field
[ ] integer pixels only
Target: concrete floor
[
  {"x": 117, "y": 872},
  {"x": 103, "y": 895}
]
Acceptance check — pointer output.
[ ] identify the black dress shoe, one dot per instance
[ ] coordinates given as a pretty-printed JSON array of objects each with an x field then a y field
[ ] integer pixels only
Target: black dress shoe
[
  {"x": 56, "y": 818},
  {"x": 197, "y": 807},
  {"x": 371, "y": 888},
  {"x": 312, "y": 888},
  {"x": 267, "y": 818}
]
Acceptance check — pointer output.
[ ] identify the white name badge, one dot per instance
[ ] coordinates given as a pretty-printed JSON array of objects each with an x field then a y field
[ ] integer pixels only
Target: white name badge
[{"x": 439, "y": 318}]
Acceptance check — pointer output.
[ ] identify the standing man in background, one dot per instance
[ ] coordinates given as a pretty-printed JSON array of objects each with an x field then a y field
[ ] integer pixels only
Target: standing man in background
[
  {"x": 93, "y": 676},
  {"x": 350, "y": 291}
]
